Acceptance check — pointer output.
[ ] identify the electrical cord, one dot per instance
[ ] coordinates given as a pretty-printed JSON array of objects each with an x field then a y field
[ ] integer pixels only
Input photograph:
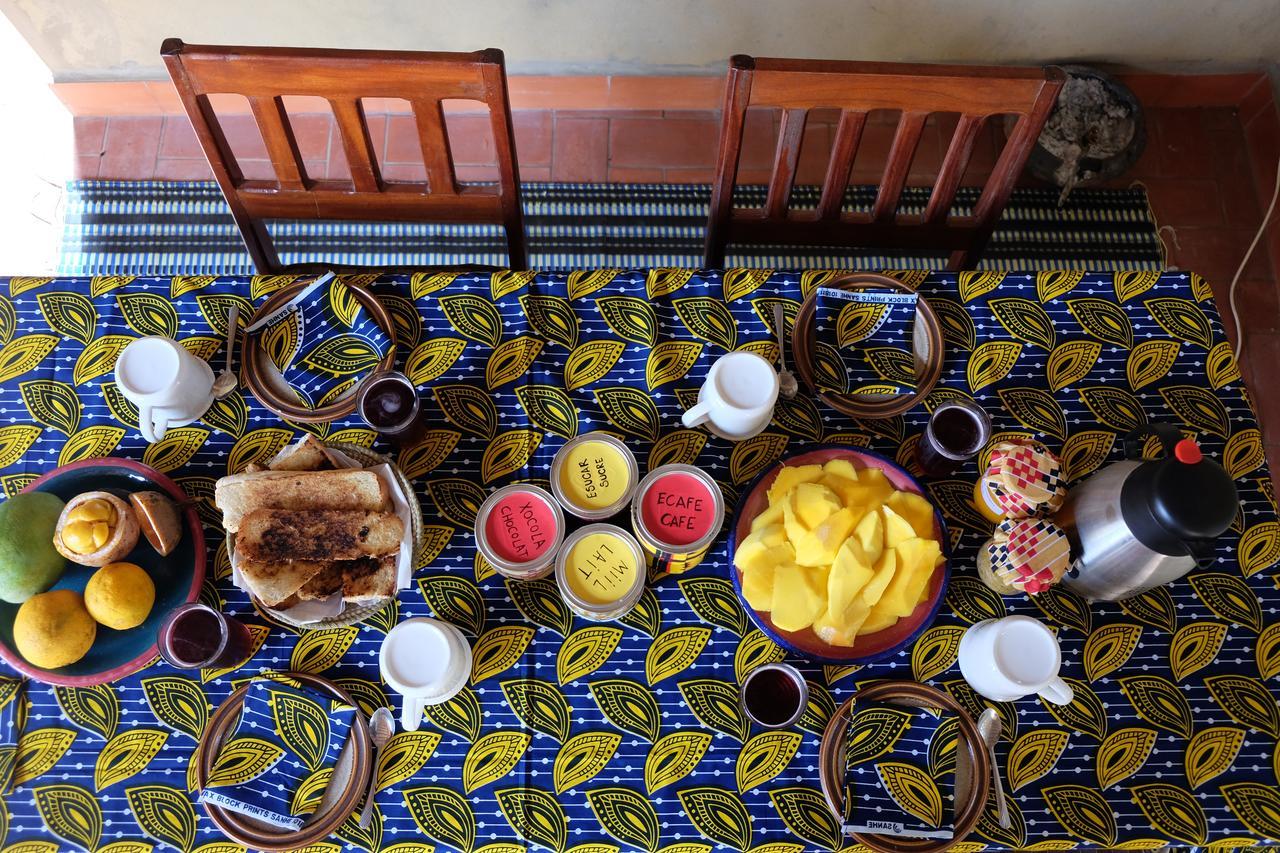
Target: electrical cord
[{"x": 1231, "y": 290}]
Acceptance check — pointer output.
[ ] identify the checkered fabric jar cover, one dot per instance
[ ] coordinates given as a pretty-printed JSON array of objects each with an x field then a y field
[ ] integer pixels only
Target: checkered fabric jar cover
[
  {"x": 1024, "y": 479},
  {"x": 1024, "y": 555}
]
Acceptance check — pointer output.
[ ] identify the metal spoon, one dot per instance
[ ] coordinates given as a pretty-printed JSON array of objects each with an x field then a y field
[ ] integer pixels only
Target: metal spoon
[
  {"x": 989, "y": 728},
  {"x": 787, "y": 384},
  {"x": 226, "y": 381},
  {"x": 382, "y": 725}
]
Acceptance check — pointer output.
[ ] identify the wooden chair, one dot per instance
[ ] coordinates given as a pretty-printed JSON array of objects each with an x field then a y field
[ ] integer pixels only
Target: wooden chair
[
  {"x": 265, "y": 75},
  {"x": 855, "y": 88}
]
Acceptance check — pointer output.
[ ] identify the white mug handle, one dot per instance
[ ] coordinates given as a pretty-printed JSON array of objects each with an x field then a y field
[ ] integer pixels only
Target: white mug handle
[
  {"x": 411, "y": 713},
  {"x": 1058, "y": 692},
  {"x": 699, "y": 414},
  {"x": 152, "y": 427}
]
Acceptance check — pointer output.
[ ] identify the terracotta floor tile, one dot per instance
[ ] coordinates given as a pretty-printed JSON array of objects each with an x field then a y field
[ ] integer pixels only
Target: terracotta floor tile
[
  {"x": 311, "y": 131},
  {"x": 185, "y": 169},
  {"x": 759, "y": 139},
  {"x": 1184, "y": 144},
  {"x": 412, "y": 173},
  {"x": 131, "y": 146},
  {"x": 244, "y": 137},
  {"x": 606, "y": 113},
  {"x": 626, "y": 175},
  {"x": 1262, "y": 353},
  {"x": 535, "y": 173},
  {"x": 256, "y": 170},
  {"x": 1260, "y": 97},
  {"x": 470, "y": 139},
  {"x": 178, "y": 138},
  {"x": 90, "y": 133},
  {"x": 1215, "y": 253},
  {"x": 533, "y": 137},
  {"x": 690, "y": 176},
  {"x": 680, "y": 143},
  {"x": 476, "y": 174},
  {"x": 85, "y": 167},
  {"x": 1185, "y": 201},
  {"x": 815, "y": 153},
  {"x": 581, "y": 151},
  {"x": 402, "y": 145}
]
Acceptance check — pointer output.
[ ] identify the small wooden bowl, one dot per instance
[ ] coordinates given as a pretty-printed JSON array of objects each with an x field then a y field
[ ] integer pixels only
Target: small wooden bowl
[
  {"x": 971, "y": 758},
  {"x": 927, "y": 340},
  {"x": 263, "y": 380},
  {"x": 334, "y": 809}
]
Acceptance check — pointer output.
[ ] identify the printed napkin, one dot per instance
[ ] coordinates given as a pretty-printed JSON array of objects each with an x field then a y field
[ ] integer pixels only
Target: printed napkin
[
  {"x": 866, "y": 336},
  {"x": 900, "y": 771},
  {"x": 324, "y": 342},
  {"x": 12, "y": 720},
  {"x": 279, "y": 761}
]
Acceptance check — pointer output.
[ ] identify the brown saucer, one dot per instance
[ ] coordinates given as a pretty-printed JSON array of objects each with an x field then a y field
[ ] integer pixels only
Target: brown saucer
[
  {"x": 973, "y": 767},
  {"x": 927, "y": 340},
  {"x": 340, "y": 800},
  {"x": 263, "y": 380}
]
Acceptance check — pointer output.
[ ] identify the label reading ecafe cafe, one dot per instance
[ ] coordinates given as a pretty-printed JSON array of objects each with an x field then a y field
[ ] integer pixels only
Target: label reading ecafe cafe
[
  {"x": 520, "y": 528},
  {"x": 678, "y": 509}
]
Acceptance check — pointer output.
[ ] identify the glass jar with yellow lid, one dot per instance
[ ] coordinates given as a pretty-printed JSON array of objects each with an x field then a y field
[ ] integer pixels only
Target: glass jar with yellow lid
[
  {"x": 600, "y": 572},
  {"x": 594, "y": 476}
]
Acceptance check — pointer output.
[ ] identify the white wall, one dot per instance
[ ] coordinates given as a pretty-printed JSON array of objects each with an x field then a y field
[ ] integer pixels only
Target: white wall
[{"x": 120, "y": 39}]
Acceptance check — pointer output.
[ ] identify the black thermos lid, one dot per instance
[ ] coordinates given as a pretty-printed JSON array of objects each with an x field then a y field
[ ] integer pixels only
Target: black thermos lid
[{"x": 1174, "y": 502}]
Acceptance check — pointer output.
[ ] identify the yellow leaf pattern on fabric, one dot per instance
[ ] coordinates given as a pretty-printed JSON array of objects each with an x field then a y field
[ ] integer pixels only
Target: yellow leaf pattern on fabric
[
  {"x": 242, "y": 759},
  {"x": 126, "y": 755},
  {"x": 1034, "y": 755},
  {"x": 677, "y": 446},
  {"x": 1024, "y": 320},
  {"x": 1036, "y": 410},
  {"x": 1104, "y": 320},
  {"x": 1259, "y": 549},
  {"x": 552, "y": 317},
  {"x": 1221, "y": 365},
  {"x": 403, "y": 756},
  {"x": 93, "y": 708},
  {"x": 97, "y": 359},
  {"x": 630, "y": 410},
  {"x": 539, "y": 601},
  {"x": 585, "y": 282},
  {"x": 1051, "y": 285},
  {"x": 176, "y": 448},
  {"x": 754, "y": 650},
  {"x": 591, "y": 362},
  {"x": 70, "y": 314},
  {"x": 807, "y": 815},
  {"x": 1131, "y": 284},
  {"x": 1109, "y": 647},
  {"x": 431, "y": 359},
  {"x": 585, "y": 651},
  {"x": 550, "y": 409},
  {"x": 39, "y": 751},
  {"x": 718, "y": 815},
  {"x": 1082, "y": 812},
  {"x": 892, "y": 365},
  {"x": 473, "y": 317},
  {"x": 148, "y": 314},
  {"x": 1123, "y": 754},
  {"x": 70, "y": 813},
  {"x": 535, "y": 815},
  {"x": 257, "y": 447},
  {"x": 1246, "y": 701},
  {"x": 468, "y": 408},
  {"x": 164, "y": 814},
  {"x": 1194, "y": 647},
  {"x": 753, "y": 455},
  {"x": 498, "y": 649},
  {"x": 799, "y": 416},
  {"x": 317, "y": 651},
  {"x": 303, "y": 725},
  {"x": 510, "y": 360},
  {"x": 442, "y": 813},
  {"x": 22, "y": 355},
  {"x": 873, "y": 733},
  {"x": 765, "y": 756},
  {"x": 1268, "y": 652},
  {"x": 1084, "y": 452},
  {"x": 670, "y": 361},
  {"x": 628, "y": 705},
  {"x": 663, "y": 281},
  {"x": 1172, "y": 811},
  {"x": 1257, "y": 806},
  {"x": 975, "y": 284},
  {"x": 1071, "y": 362},
  {"x": 539, "y": 705},
  {"x": 739, "y": 283},
  {"x": 1181, "y": 319},
  {"x": 493, "y": 757},
  {"x": 342, "y": 356},
  {"x": 15, "y": 441},
  {"x": 714, "y": 601},
  {"x": 428, "y": 453},
  {"x": 935, "y": 651},
  {"x": 708, "y": 319},
  {"x": 460, "y": 715},
  {"x": 673, "y": 758},
  {"x": 1084, "y": 713},
  {"x": 858, "y": 321},
  {"x": 627, "y": 816},
  {"x": 1199, "y": 408},
  {"x": 1150, "y": 361},
  {"x": 957, "y": 326},
  {"x": 216, "y": 309},
  {"x": 1158, "y": 702},
  {"x": 1243, "y": 453},
  {"x": 1211, "y": 753},
  {"x": 716, "y": 705},
  {"x": 673, "y": 651},
  {"x": 455, "y": 600},
  {"x": 457, "y": 500},
  {"x": 582, "y": 757},
  {"x": 1114, "y": 407},
  {"x": 629, "y": 318},
  {"x": 912, "y": 789},
  {"x": 1229, "y": 597},
  {"x": 508, "y": 453}
]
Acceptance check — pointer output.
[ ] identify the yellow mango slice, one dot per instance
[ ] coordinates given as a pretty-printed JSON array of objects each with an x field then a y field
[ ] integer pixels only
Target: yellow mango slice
[
  {"x": 770, "y": 515},
  {"x": 819, "y": 546},
  {"x": 791, "y": 523},
  {"x": 799, "y": 596},
  {"x": 896, "y": 528},
  {"x": 791, "y": 476},
  {"x": 813, "y": 503},
  {"x": 841, "y": 468},
  {"x": 868, "y": 538},
  {"x": 916, "y": 510},
  {"x": 916, "y": 561}
]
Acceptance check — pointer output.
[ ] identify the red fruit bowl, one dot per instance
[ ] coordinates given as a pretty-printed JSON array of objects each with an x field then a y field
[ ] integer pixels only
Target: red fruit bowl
[{"x": 870, "y": 647}]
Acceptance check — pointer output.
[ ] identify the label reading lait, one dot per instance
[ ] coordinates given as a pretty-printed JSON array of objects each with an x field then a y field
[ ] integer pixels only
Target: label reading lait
[
  {"x": 595, "y": 475},
  {"x": 601, "y": 568},
  {"x": 521, "y": 527},
  {"x": 678, "y": 509}
]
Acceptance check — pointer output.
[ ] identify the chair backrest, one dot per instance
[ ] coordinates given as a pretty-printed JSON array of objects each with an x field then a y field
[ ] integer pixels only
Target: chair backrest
[
  {"x": 266, "y": 75},
  {"x": 856, "y": 88}
]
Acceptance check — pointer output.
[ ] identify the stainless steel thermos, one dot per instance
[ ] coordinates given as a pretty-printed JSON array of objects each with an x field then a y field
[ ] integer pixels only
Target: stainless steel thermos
[{"x": 1140, "y": 523}]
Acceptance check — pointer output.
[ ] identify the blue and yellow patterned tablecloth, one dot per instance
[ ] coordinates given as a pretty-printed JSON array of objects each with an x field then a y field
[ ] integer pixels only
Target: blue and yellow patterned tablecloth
[{"x": 627, "y": 735}]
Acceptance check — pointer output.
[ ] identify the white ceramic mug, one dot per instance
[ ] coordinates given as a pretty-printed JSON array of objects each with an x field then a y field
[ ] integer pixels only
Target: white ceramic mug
[
  {"x": 170, "y": 386},
  {"x": 427, "y": 662},
  {"x": 1006, "y": 659},
  {"x": 737, "y": 399}
]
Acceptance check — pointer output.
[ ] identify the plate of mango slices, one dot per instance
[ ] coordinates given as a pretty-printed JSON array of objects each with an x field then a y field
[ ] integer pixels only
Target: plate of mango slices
[{"x": 839, "y": 555}]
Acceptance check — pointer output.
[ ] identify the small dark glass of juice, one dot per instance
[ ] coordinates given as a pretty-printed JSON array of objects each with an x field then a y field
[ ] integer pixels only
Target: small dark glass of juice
[
  {"x": 195, "y": 636},
  {"x": 957, "y": 430},
  {"x": 388, "y": 402},
  {"x": 774, "y": 695}
]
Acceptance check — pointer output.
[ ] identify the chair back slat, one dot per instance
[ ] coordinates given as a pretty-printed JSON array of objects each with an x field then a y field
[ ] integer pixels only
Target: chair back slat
[
  {"x": 977, "y": 94},
  {"x": 268, "y": 77}
]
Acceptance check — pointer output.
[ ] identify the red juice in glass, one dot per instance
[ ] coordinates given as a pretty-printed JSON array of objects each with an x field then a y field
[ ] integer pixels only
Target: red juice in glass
[{"x": 195, "y": 636}]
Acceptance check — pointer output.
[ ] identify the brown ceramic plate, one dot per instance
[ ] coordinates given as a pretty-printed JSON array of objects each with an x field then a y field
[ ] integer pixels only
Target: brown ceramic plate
[
  {"x": 345, "y": 791},
  {"x": 927, "y": 340},
  {"x": 973, "y": 767},
  {"x": 265, "y": 381}
]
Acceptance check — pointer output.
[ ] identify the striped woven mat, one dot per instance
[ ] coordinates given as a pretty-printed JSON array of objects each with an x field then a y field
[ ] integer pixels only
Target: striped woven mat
[{"x": 182, "y": 228}]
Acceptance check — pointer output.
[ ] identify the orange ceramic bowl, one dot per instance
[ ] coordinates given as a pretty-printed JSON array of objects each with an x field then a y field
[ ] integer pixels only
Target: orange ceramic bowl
[{"x": 870, "y": 647}]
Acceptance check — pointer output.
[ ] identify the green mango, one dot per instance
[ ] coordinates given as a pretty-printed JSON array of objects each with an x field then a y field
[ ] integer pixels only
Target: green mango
[{"x": 29, "y": 563}]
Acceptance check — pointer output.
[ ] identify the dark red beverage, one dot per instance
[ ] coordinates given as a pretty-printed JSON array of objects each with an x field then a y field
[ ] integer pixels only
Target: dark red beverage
[
  {"x": 775, "y": 695},
  {"x": 388, "y": 402},
  {"x": 956, "y": 432},
  {"x": 195, "y": 636}
]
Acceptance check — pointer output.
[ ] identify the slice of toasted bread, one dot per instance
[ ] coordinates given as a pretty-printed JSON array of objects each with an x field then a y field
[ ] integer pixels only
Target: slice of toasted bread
[
  {"x": 306, "y": 455},
  {"x": 325, "y": 583},
  {"x": 273, "y": 534},
  {"x": 275, "y": 582},
  {"x": 347, "y": 489},
  {"x": 369, "y": 580}
]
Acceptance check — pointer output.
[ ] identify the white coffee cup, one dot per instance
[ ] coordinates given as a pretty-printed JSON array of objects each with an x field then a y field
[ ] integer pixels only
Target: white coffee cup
[
  {"x": 170, "y": 386},
  {"x": 737, "y": 399},
  {"x": 427, "y": 662},
  {"x": 1007, "y": 659}
]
